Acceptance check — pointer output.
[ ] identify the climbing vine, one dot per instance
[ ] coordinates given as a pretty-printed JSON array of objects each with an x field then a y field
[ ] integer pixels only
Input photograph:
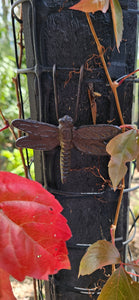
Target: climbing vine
[{"x": 122, "y": 148}]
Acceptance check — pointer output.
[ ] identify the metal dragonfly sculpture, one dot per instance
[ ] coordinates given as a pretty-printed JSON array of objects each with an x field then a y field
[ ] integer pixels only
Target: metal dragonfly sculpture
[{"x": 90, "y": 139}]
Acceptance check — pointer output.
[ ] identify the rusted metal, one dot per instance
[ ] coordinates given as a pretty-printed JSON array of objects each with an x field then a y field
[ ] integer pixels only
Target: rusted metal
[{"x": 43, "y": 136}]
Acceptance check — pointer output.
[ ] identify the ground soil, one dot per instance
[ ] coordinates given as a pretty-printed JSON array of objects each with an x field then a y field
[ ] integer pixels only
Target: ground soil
[{"x": 23, "y": 290}]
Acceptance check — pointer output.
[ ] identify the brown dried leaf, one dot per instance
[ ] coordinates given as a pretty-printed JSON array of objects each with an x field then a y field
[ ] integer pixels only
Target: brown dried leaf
[{"x": 91, "y": 6}]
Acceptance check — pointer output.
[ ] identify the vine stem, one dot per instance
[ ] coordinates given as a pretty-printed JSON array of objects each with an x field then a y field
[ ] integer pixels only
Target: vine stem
[
  {"x": 112, "y": 84},
  {"x": 114, "y": 225},
  {"x": 15, "y": 81},
  {"x": 119, "y": 203}
]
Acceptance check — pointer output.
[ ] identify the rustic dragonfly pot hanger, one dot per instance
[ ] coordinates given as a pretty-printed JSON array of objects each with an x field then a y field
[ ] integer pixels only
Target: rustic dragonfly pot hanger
[{"x": 90, "y": 139}]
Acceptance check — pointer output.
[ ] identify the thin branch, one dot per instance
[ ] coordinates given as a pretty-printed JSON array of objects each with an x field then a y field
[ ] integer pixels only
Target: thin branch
[
  {"x": 15, "y": 138},
  {"x": 119, "y": 203},
  {"x": 112, "y": 84},
  {"x": 15, "y": 81},
  {"x": 35, "y": 289},
  {"x": 7, "y": 122},
  {"x": 114, "y": 225},
  {"x": 20, "y": 40}
]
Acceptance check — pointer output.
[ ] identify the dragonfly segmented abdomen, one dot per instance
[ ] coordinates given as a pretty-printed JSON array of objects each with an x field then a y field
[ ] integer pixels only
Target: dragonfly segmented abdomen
[{"x": 65, "y": 161}]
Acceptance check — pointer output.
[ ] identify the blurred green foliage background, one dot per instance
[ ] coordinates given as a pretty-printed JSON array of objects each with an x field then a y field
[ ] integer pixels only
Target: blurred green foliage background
[{"x": 10, "y": 159}]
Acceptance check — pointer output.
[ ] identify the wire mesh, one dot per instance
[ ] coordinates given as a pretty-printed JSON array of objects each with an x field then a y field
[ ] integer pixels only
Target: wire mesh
[{"x": 43, "y": 287}]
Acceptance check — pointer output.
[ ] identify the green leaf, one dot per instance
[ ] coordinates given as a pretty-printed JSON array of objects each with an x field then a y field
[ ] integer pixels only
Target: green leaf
[
  {"x": 120, "y": 286},
  {"x": 117, "y": 18},
  {"x": 123, "y": 148},
  {"x": 99, "y": 254}
]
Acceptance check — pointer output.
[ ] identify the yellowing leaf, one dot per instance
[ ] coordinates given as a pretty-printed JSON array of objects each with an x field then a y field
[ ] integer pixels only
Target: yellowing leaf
[
  {"x": 117, "y": 18},
  {"x": 88, "y": 6},
  {"x": 120, "y": 286},
  {"x": 99, "y": 254},
  {"x": 123, "y": 148}
]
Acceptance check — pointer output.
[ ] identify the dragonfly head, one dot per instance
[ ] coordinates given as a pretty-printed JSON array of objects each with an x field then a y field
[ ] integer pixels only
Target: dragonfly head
[{"x": 66, "y": 121}]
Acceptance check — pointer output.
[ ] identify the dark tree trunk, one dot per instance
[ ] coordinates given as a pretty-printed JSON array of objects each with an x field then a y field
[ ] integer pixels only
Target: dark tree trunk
[{"x": 56, "y": 35}]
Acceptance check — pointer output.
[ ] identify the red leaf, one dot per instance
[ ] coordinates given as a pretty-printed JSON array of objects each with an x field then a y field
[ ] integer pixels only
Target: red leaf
[
  {"x": 32, "y": 231},
  {"x": 14, "y": 187},
  {"x": 5, "y": 287}
]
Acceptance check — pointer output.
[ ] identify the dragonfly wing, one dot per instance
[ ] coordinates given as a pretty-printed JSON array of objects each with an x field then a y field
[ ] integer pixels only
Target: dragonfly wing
[
  {"x": 92, "y": 139},
  {"x": 42, "y": 136},
  {"x": 92, "y": 147},
  {"x": 37, "y": 143},
  {"x": 36, "y": 128}
]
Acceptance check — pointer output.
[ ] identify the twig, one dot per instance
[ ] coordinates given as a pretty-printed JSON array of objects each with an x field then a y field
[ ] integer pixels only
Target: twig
[
  {"x": 119, "y": 203},
  {"x": 20, "y": 40},
  {"x": 112, "y": 84},
  {"x": 15, "y": 138},
  {"x": 35, "y": 289},
  {"x": 15, "y": 81},
  {"x": 10, "y": 127},
  {"x": 114, "y": 225}
]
